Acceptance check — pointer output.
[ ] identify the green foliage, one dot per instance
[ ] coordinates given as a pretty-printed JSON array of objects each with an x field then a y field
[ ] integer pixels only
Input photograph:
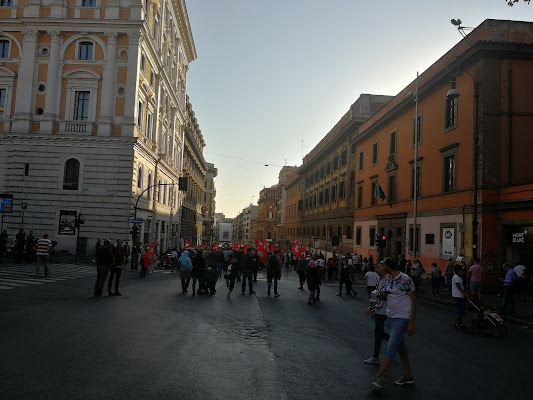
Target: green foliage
[{"x": 512, "y": 2}]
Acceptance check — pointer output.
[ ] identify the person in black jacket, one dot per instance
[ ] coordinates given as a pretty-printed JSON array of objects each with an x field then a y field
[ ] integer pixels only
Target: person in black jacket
[
  {"x": 104, "y": 260},
  {"x": 247, "y": 270},
  {"x": 199, "y": 274}
]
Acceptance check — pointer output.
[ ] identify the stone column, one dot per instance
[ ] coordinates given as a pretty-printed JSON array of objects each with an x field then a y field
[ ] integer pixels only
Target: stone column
[
  {"x": 23, "y": 103},
  {"x": 132, "y": 83},
  {"x": 108, "y": 87},
  {"x": 52, "y": 85}
]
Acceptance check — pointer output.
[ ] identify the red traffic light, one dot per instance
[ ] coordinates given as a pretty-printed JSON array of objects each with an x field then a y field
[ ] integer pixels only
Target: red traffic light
[{"x": 384, "y": 237}]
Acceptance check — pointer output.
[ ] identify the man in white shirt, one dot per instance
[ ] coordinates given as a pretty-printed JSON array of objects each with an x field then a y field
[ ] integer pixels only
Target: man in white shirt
[
  {"x": 401, "y": 312},
  {"x": 372, "y": 279},
  {"x": 44, "y": 246}
]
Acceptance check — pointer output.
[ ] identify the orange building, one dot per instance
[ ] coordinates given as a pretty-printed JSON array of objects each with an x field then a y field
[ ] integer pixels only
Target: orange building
[
  {"x": 492, "y": 68},
  {"x": 265, "y": 224}
]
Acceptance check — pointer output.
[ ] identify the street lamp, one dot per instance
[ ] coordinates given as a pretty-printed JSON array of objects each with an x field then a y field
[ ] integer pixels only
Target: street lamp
[{"x": 454, "y": 93}]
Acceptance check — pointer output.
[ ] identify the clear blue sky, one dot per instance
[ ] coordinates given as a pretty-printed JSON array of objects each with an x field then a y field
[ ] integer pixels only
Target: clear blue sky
[{"x": 271, "y": 74}]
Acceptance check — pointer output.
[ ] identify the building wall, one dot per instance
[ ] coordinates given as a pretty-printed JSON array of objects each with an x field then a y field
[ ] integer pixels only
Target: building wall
[{"x": 134, "y": 80}]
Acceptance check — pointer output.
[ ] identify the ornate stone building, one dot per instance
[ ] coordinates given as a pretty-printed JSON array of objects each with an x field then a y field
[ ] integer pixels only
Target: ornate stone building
[
  {"x": 208, "y": 205},
  {"x": 92, "y": 115}
]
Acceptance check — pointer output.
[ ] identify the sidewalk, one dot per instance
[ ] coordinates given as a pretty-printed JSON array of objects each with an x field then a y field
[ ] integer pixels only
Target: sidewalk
[{"x": 523, "y": 314}]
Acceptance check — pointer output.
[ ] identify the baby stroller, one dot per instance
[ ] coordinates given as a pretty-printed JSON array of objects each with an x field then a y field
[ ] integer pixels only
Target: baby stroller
[{"x": 486, "y": 320}]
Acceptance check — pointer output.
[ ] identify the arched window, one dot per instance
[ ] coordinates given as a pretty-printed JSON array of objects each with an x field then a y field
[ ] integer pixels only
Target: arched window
[
  {"x": 140, "y": 178},
  {"x": 71, "y": 175}
]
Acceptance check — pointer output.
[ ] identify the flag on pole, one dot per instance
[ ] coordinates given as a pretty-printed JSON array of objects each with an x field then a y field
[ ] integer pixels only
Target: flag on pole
[
  {"x": 186, "y": 244},
  {"x": 149, "y": 254},
  {"x": 379, "y": 193}
]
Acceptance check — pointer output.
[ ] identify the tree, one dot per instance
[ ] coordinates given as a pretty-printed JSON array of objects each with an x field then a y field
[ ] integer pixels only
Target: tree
[{"x": 512, "y": 2}]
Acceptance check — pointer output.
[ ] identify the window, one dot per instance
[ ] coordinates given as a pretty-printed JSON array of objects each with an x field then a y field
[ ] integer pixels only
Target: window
[
  {"x": 6, "y": 3},
  {"x": 143, "y": 63},
  {"x": 322, "y": 172},
  {"x": 358, "y": 235},
  {"x": 316, "y": 175},
  {"x": 392, "y": 188},
  {"x": 88, "y": 3},
  {"x": 450, "y": 114},
  {"x": 342, "y": 190},
  {"x": 336, "y": 162},
  {"x": 321, "y": 198},
  {"x": 372, "y": 234},
  {"x": 3, "y": 94},
  {"x": 81, "y": 105},
  {"x": 148, "y": 132},
  {"x": 352, "y": 183},
  {"x": 26, "y": 169},
  {"x": 326, "y": 195},
  {"x": 373, "y": 198},
  {"x": 360, "y": 161},
  {"x": 140, "y": 178},
  {"x": 328, "y": 168},
  {"x": 417, "y": 181},
  {"x": 149, "y": 183},
  {"x": 374, "y": 153},
  {"x": 139, "y": 114},
  {"x": 449, "y": 173},
  {"x": 334, "y": 193},
  {"x": 392, "y": 143},
  {"x": 4, "y": 48},
  {"x": 344, "y": 157},
  {"x": 71, "y": 174},
  {"x": 419, "y": 126},
  {"x": 85, "y": 51},
  {"x": 360, "y": 196}
]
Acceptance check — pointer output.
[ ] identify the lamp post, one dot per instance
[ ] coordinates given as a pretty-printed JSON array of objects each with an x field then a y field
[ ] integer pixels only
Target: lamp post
[
  {"x": 415, "y": 177},
  {"x": 454, "y": 93}
]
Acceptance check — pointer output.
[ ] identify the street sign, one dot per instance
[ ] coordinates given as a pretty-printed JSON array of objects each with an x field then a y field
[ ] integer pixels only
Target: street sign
[
  {"x": 135, "y": 221},
  {"x": 6, "y": 203},
  {"x": 24, "y": 206}
]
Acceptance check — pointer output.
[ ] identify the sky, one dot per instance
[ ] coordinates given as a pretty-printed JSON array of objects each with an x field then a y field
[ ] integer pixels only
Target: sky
[{"x": 272, "y": 77}]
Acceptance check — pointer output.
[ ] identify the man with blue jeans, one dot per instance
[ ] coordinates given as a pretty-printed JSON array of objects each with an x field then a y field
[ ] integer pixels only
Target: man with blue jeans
[{"x": 401, "y": 313}]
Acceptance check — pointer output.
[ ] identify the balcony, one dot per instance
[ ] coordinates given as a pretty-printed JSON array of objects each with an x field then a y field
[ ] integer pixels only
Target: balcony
[{"x": 77, "y": 127}]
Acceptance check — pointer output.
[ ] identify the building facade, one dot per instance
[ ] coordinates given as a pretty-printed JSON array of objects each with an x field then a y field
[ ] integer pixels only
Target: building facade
[
  {"x": 208, "y": 206},
  {"x": 466, "y": 205},
  {"x": 92, "y": 115},
  {"x": 292, "y": 208},
  {"x": 283, "y": 175},
  {"x": 265, "y": 223},
  {"x": 194, "y": 169},
  {"x": 243, "y": 225},
  {"x": 328, "y": 182}
]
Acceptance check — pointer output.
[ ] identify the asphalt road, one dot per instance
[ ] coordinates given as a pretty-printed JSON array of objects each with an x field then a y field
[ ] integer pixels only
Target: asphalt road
[{"x": 58, "y": 342}]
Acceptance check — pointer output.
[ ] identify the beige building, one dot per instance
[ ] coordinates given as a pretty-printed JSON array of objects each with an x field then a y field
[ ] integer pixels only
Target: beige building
[
  {"x": 208, "y": 205},
  {"x": 93, "y": 111}
]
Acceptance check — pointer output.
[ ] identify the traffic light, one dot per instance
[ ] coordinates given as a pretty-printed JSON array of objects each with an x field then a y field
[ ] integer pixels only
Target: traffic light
[
  {"x": 381, "y": 241},
  {"x": 78, "y": 221},
  {"x": 134, "y": 232}
]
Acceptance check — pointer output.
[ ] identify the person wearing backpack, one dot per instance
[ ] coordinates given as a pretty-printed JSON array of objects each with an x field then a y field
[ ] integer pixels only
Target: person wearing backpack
[
  {"x": 508, "y": 284},
  {"x": 273, "y": 272}
]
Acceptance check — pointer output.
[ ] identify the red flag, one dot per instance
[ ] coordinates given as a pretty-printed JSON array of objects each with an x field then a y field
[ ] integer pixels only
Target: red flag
[
  {"x": 149, "y": 254},
  {"x": 281, "y": 254},
  {"x": 186, "y": 244},
  {"x": 259, "y": 243},
  {"x": 246, "y": 248},
  {"x": 298, "y": 249},
  {"x": 262, "y": 254},
  {"x": 215, "y": 246}
]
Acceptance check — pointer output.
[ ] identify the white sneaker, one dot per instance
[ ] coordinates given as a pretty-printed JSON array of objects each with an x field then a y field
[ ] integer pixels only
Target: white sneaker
[{"x": 372, "y": 360}]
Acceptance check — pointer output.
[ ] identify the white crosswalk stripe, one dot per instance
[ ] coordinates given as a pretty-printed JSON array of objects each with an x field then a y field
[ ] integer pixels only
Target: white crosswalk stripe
[{"x": 21, "y": 275}]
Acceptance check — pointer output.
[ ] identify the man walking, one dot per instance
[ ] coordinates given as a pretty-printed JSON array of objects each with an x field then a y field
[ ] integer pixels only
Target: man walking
[
  {"x": 401, "y": 312},
  {"x": 3, "y": 244},
  {"x": 104, "y": 260},
  {"x": 508, "y": 283},
  {"x": 247, "y": 270},
  {"x": 273, "y": 272},
  {"x": 43, "y": 253},
  {"x": 119, "y": 259}
]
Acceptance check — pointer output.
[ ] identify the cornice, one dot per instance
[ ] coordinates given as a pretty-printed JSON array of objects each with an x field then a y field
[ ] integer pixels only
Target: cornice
[
  {"x": 61, "y": 139},
  {"x": 185, "y": 29}
]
